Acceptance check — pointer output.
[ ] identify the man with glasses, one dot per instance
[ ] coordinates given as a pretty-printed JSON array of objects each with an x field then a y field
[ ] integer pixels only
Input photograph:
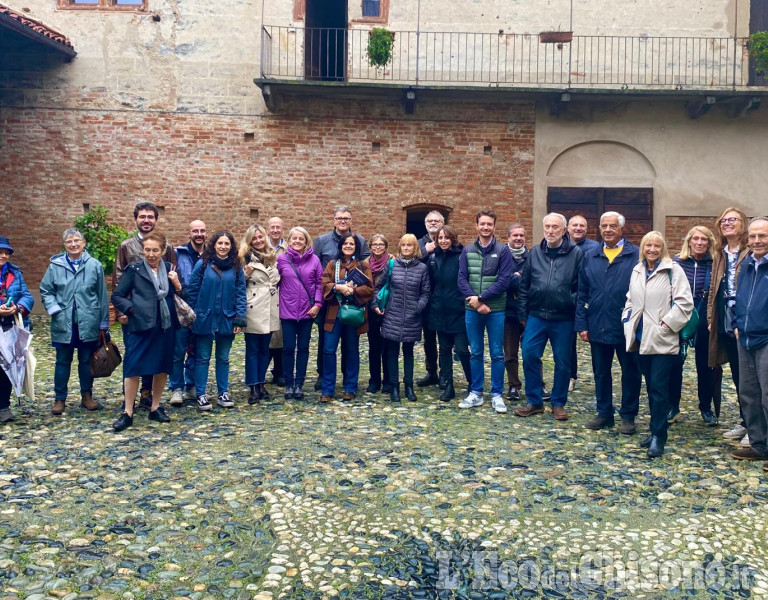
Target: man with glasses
[
  {"x": 326, "y": 248},
  {"x": 433, "y": 221},
  {"x": 187, "y": 256},
  {"x": 603, "y": 285}
]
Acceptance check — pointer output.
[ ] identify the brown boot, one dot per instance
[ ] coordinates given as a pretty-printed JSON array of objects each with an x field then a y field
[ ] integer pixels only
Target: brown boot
[
  {"x": 58, "y": 407},
  {"x": 88, "y": 403}
]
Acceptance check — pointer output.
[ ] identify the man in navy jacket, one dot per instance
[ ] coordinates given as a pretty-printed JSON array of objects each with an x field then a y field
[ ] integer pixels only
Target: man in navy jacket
[
  {"x": 603, "y": 284},
  {"x": 751, "y": 329}
]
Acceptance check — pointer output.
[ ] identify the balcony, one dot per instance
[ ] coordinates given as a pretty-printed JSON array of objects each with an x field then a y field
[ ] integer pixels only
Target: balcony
[{"x": 517, "y": 62}]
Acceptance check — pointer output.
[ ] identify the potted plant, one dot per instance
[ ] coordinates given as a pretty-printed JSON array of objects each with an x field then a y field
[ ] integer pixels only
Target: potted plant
[
  {"x": 555, "y": 37},
  {"x": 380, "y": 44},
  {"x": 758, "y": 51},
  {"x": 101, "y": 240}
]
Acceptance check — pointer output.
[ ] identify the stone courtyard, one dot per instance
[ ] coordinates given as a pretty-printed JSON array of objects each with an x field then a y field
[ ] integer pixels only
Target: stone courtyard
[{"x": 366, "y": 499}]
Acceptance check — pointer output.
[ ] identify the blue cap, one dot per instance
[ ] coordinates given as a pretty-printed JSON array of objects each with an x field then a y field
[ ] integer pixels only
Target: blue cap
[{"x": 5, "y": 244}]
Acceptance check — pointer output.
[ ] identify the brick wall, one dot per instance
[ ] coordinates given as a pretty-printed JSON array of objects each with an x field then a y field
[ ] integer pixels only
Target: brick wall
[
  {"x": 299, "y": 164},
  {"x": 678, "y": 227}
]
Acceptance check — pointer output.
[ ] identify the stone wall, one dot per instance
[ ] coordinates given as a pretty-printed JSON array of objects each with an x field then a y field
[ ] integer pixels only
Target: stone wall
[{"x": 677, "y": 227}]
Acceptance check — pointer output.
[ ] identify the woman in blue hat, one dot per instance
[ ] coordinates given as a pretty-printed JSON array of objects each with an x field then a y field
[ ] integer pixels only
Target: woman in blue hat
[{"x": 14, "y": 298}]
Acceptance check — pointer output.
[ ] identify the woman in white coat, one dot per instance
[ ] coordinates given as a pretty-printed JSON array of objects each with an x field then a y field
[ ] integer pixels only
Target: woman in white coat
[
  {"x": 659, "y": 304},
  {"x": 262, "y": 315}
]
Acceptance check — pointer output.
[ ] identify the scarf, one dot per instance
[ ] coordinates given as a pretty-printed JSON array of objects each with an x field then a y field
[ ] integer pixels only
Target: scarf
[
  {"x": 377, "y": 265},
  {"x": 407, "y": 261},
  {"x": 161, "y": 288},
  {"x": 517, "y": 253},
  {"x": 222, "y": 263},
  {"x": 256, "y": 257}
]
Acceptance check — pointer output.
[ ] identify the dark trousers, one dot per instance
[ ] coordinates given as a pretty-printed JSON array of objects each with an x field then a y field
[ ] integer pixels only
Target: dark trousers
[
  {"x": 5, "y": 390},
  {"x": 657, "y": 370},
  {"x": 393, "y": 356},
  {"x": 296, "y": 336},
  {"x": 631, "y": 380},
  {"x": 378, "y": 363},
  {"x": 574, "y": 360},
  {"x": 449, "y": 341},
  {"x": 732, "y": 348},
  {"x": 430, "y": 350},
  {"x": 276, "y": 356},
  {"x": 754, "y": 395},
  {"x": 63, "y": 368},
  {"x": 705, "y": 376},
  {"x": 513, "y": 331}
]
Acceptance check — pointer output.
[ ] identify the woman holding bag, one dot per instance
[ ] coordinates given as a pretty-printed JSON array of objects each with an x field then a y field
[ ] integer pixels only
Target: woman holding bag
[
  {"x": 144, "y": 298},
  {"x": 301, "y": 296},
  {"x": 262, "y": 314},
  {"x": 74, "y": 293},
  {"x": 217, "y": 293},
  {"x": 342, "y": 293}
]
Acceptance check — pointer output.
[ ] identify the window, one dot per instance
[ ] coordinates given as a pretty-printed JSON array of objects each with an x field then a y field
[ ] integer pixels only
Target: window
[
  {"x": 371, "y": 8},
  {"x": 116, "y": 5}
]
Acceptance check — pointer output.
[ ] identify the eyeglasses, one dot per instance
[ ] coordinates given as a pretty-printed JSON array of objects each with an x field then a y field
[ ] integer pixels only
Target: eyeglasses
[
  {"x": 729, "y": 220},
  {"x": 342, "y": 219},
  {"x": 378, "y": 245}
]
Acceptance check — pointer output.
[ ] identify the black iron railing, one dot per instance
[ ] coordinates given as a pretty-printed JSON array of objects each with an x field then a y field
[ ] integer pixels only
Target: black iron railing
[{"x": 508, "y": 60}]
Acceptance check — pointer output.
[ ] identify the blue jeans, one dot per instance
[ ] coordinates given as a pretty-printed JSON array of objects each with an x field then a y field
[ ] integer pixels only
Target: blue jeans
[
  {"x": 64, "y": 356},
  {"x": 203, "y": 347},
  {"x": 183, "y": 370},
  {"x": 631, "y": 381},
  {"x": 351, "y": 365},
  {"x": 560, "y": 336},
  {"x": 256, "y": 357},
  {"x": 477, "y": 325},
  {"x": 296, "y": 336}
]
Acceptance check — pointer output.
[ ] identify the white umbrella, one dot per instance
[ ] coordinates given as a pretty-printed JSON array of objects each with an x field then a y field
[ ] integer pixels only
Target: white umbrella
[{"x": 14, "y": 346}]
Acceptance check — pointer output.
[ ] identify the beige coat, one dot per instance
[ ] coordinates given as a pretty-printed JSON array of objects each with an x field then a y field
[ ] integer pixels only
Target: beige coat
[
  {"x": 262, "y": 315},
  {"x": 277, "y": 336},
  {"x": 657, "y": 300}
]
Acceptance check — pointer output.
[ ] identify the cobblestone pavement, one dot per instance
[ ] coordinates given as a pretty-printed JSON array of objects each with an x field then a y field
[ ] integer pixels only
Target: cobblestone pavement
[{"x": 364, "y": 499}]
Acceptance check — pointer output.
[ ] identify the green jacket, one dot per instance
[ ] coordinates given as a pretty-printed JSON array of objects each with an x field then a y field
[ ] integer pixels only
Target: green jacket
[{"x": 61, "y": 289}]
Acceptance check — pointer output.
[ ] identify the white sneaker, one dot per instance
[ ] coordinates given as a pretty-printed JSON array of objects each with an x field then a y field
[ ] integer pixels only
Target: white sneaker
[
  {"x": 745, "y": 441},
  {"x": 203, "y": 404},
  {"x": 736, "y": 433},
  {"x": 224, "y": 400},
  {"x": 176, "y": 399},
  {"x": 189, "y": 393},
  {"x": 498, "y": 404},
  {"x": 473, "y": 400},
  {"x": 572, "y": 385}
]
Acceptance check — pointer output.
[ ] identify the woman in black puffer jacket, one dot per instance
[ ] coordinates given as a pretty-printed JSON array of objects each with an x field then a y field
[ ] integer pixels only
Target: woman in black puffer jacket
[
  {"x": 446, "y": 307},
  {"x": 408, "y": 298}
]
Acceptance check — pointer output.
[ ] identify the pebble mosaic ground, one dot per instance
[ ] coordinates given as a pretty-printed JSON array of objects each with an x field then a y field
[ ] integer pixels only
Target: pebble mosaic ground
[{"x": 366, "y": 499}]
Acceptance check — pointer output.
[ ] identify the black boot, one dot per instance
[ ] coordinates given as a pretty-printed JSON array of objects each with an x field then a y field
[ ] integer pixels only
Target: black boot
[
  {"x": 656, "y": 447},
  {"x": 430, "y": 378},
  {"x": 254, "y": 396},
  {"x": 646, "y": 442},
  {"x": 263, "y": 391},
  {"x": 449, "y": 393},
  {"x": 442, "y": 383},
  {"x": 394, "y": 395},
  {"x": 409, "y": 393}
]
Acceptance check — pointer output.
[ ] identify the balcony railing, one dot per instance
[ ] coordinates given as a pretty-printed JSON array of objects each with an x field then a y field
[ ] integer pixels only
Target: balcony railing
[{"x": 508, "y": 60}]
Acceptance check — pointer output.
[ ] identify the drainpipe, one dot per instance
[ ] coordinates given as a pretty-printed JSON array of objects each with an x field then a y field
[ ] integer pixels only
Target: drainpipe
[{"x": 735, "y": 40}]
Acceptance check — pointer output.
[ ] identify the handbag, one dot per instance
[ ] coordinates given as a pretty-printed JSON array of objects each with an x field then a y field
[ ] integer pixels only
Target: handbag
[
  {"x": 184, "y": 312},
  {"x": 349, "y": 314},
  {"x": 688, "y": 332},
  {"x": 106, "y": 357},
  {"x": 383, "y": 296}
]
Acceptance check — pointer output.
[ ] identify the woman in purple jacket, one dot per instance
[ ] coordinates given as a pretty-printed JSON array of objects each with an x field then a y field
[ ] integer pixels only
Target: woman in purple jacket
[{"x": 301, "y": 296}]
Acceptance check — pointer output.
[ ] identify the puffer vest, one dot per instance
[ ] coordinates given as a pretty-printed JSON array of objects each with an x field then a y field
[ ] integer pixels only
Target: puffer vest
[{"x": 483, "y": 271}]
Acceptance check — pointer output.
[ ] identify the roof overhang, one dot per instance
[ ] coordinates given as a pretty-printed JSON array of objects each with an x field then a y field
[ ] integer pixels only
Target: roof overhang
[{"x": 35, "y": 30}]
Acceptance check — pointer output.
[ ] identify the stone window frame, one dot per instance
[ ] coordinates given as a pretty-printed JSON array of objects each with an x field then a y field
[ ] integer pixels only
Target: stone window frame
[
  {"x": 300, "y": 9},
  {"x": 103, "y": 5}
]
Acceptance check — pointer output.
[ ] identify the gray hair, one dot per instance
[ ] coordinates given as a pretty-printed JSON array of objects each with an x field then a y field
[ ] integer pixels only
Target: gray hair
[
  {"x": 72, "y": 232},
  {"x": 435, "y": 212},
  {"x": 554, "y": 214},
  {"x": 613, "y": 213},
  {"x": 757, "y": 219},
  {"x": 341, "y": 209}
]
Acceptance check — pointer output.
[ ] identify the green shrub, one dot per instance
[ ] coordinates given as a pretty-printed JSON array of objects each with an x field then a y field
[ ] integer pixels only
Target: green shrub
[
  {"x": 101, "y": 237},
  {"x": 758, "y": 51},
  {"x": 380, "y": 44}
]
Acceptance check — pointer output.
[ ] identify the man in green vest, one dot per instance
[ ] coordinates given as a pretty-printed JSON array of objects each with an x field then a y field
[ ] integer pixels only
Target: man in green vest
[{"x": 484, "y": 271}]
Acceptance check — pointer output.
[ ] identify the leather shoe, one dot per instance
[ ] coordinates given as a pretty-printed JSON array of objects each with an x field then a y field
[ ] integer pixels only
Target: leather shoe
[
  {"x": 528, "y": 410},
  {"x": 656, "y": 447},
  {"x": 709, "y": 417},
  {"x": 449, "y": 393},
  {"x": 278, "y": 381},
  {"x": 646, "y": 442},
  {"x": 386, "y": 388},
  {"x": 428, "y": 379},
  {"x": 442, "y": 382},
  {"x": 747, "y": 453},
  {"x": 627, "y": 427},
  {"x": 372, "y": 388},
  {"x": 560, "y": 413},
  {"x": 264, "y": 391},
  {"x": 159, "y": 415},
  {"x": 410, "y": 394},
  {"x": 599, "y": 423},
  {"x": 319, "y": 383},
  {"x": 145, "y": 400},
  {"x": 326, "y": 399},
  {"x": 124, "y": 421},
  {"x": 348, "y": 396},
  {"x": 58, "y": 407},
  {"x": 673, "y": 415},
  {"x": 88, "y": 403},
  {"x": 289, "y": 392},
  {"x": 298, "y": 393},
  {"x": 254, "y": 396},
  {"x": 394, "y": 395}
]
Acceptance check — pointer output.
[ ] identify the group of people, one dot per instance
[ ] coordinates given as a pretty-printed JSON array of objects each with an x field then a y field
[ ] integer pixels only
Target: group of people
[{"x": 627, "y": 301}]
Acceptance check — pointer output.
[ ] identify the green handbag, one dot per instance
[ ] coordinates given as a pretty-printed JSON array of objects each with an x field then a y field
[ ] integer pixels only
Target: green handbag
[
  {"x": 383, "y": 296},
  {"x": 349, "y": 314}
]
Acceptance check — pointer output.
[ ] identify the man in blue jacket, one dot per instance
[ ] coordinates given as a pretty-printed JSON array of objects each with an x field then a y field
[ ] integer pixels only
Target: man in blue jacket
[
  {"x": 183, "y": 371},
  {"x": 484, "y": 270},
  {"x": 547, "y": 304},
  {"x": 751, "y": 330},
  {"x": 603, "y": 284}
]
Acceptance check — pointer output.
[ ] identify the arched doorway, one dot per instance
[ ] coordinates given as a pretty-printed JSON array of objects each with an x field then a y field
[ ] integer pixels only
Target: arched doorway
[{"x": 415, "y": 215}]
